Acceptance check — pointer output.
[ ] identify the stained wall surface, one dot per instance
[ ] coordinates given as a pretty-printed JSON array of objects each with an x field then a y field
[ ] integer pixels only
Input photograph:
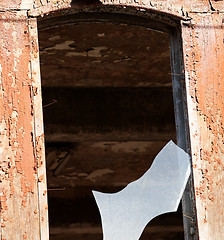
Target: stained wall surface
[
  {"x": 19, "y": 199},
  {"x": 204, "y": 69},
  {"x": 21, "y": 133},
  {"x": 22, "y": 181}
]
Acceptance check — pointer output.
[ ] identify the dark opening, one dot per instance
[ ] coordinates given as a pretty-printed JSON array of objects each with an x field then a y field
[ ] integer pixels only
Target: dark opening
[{"x": 108, "y": 111}]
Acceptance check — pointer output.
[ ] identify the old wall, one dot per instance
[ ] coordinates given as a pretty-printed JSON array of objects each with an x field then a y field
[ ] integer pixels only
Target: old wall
[
  {"x": 176, "y": 7},
  {"x": 21, "y": 133},
  {"x": 203, "y": 51},
  {"x": 21, "y": 137}
]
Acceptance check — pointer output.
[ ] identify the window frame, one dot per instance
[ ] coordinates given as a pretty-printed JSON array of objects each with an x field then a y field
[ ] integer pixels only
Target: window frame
[{"x": 160, "y": 22}]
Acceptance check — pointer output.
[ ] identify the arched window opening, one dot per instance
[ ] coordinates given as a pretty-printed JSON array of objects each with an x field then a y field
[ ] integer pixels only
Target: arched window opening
[{"x": 108, "y": 111}]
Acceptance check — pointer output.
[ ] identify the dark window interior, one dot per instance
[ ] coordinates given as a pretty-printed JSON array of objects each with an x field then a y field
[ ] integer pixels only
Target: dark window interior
[{"x": 108, "y": 111}]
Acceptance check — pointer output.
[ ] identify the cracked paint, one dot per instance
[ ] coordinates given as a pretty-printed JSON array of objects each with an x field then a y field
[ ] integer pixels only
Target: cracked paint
[
  {"x": 17, "y": 160},
  {"x": 203, "y": 61},
  {"x": 204, "y": 67},
  {"x": 26, "y": 4}
]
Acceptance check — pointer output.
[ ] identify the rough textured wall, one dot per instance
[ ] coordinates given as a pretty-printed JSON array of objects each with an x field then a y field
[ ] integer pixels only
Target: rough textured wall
[
  {"x": 22, "y": 169},
  {"x": 39, "y": 147},
  {"x": 19, "y": 201},
  {"x": 176, "y": 7},
  {"x": 16, "y": 5},
  {"x": 204, "y": 54}
]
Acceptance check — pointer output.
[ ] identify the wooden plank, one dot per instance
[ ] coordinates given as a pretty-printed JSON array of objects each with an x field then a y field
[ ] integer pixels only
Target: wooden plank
[
  {"x": 95, "y": 164},
  {"x": 101, "y": 110},
  {"x": 113, "y": 136},
  {"x": 98, "y": 230}
]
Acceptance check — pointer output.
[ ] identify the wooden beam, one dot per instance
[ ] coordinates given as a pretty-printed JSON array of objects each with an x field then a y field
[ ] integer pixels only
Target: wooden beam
[
  {"x": 98, "y": 230},
  {"x": 114, "y": 136}
]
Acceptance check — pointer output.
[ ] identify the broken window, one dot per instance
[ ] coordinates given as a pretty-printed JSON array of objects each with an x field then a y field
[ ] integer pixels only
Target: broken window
[
  {"x": 108, "y": 111},
  {"x": 125, "y": 214}
]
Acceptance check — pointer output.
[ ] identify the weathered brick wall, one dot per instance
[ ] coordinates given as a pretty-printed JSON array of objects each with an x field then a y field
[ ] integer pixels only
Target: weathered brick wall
[
  {"x": 175, "y": 7},
  {"x": 21, "y": 146},
  {"x": 204, "y": 66},
  {"x": 19, "y": 200},
  {"x": 22, "y": 165}
]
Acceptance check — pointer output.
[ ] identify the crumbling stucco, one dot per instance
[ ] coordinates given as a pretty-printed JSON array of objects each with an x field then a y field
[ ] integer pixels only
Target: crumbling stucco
[
  {"x": 18, "y": 175},
  {"x": 203, "y": 49},
  {"x": 21, "y": 130}
]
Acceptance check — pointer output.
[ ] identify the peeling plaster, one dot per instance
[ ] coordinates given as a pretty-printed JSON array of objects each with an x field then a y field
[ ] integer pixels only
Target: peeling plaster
[
  {"x": 203, "y": 51},
  {"x": 94, "y": 52},
  {"x": 61, "y": 46},
  {"x": 17, "y": 160},
  {"x": 205, "y": 97},
  {"x": 26, "y": 4}
]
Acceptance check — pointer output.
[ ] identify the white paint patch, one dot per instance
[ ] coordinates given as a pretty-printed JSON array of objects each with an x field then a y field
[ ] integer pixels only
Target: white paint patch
[
  {"x": 61, "y": 46},
  {"x": 14, "y": 114},
  {"x": 98, "y": 173},
  {"x": 26, "y": 4},
  {"x": 101, "y": 35},
  {"x": 94, "y": 52}
]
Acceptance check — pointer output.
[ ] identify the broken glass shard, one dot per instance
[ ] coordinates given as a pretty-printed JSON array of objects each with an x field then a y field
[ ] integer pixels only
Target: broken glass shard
[{"x": 125, "y": 214}]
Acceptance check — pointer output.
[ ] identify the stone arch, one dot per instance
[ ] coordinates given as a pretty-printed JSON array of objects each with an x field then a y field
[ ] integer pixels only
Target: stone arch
[{"x": 166, "y": 13}]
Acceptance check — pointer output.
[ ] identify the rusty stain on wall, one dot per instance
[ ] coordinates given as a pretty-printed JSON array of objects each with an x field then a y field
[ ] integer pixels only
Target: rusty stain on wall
[
  {"x": 18, "y": 178},
  {"x": 203, "y": 48}
]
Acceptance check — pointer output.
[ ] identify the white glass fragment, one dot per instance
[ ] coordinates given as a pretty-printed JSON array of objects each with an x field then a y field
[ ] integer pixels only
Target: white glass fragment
[{"x": 125, "y": 214}]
